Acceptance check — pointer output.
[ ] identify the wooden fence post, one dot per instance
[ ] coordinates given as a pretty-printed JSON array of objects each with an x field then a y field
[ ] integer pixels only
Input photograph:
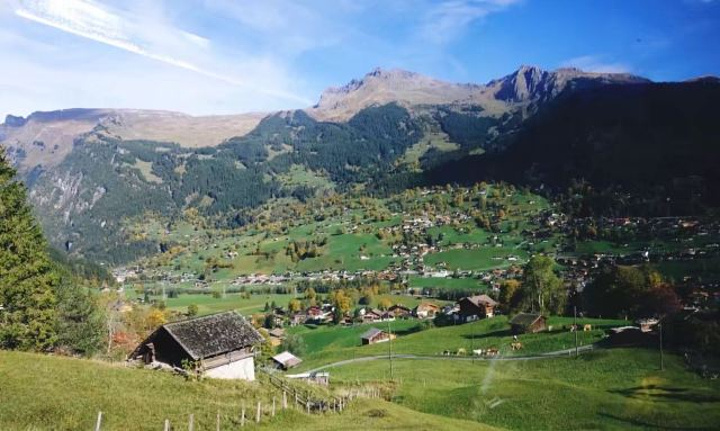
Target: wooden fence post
[
  {"x": 242, "y": 416},
  {"x": 284, "y": 401},
  {"x": 167, "y": 425},
  {"x": 257, "y": 414},
  {"x": 98, "y": 424},
  {"x": 307, "y": 406},
  {"x": 217, "y": 422},
  {"x": 273, "y": 407},
  {"x": 191, "y": 422}
]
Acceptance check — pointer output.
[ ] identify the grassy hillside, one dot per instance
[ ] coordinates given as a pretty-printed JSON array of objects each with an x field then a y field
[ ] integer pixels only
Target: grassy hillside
[
  {"x": 52, "y": 393},
  {"x": 607, "y": 390}
]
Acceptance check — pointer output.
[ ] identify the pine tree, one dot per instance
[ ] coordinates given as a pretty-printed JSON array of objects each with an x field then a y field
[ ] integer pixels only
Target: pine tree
[{"x": 28, "y": 317}]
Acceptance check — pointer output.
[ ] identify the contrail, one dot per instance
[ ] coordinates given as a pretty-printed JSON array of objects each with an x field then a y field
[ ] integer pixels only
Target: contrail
[{"x": 86, "y": 19}]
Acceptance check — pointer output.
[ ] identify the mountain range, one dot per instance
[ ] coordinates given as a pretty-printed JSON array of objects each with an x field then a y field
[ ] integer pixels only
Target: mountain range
[{"x": 91, "y": 172}]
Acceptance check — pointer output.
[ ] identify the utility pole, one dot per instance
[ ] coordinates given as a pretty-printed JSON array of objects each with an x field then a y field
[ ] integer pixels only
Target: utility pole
[
  {"x": 472, "y": 347},
  {"x": 390, "y": 358},
  {"x": 662, "y": 358},
  {"x": 576, "y": 329}
]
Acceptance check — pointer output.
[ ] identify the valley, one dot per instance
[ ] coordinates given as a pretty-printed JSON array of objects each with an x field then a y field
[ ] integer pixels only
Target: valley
[{"x": 537, "y": 252}]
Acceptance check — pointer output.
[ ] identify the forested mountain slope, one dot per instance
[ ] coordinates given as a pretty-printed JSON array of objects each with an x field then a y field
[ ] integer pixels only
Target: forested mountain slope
[{"x": 388, "y": 131}]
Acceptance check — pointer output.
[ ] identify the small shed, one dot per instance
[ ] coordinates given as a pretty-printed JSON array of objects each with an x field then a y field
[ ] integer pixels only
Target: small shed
[
  {"x": 528, "y": 323},
  {"x": 374, "y": 335},
  {"x": 286, "y": 360},
  {"x": 223, "y": 345}
]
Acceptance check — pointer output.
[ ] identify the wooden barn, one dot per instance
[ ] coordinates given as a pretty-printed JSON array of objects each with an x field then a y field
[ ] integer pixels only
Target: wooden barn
[
  {"x": 476, "y": 307},
  {"x": 528, "y": 323},
  {"x": 374, "y": 335},
  {"x": 222, "y": 344}
]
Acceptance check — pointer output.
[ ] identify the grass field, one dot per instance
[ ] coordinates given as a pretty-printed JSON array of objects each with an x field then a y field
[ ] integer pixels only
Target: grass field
[
  {"x": 487, "y": 333},
  {"x": 207, "y": 304},
  {"x": 609, "y": 389},
  {"x": 51, "y": 393},
  {"x": 447, "y": 283},
  {"x": 480, "y": 259}
]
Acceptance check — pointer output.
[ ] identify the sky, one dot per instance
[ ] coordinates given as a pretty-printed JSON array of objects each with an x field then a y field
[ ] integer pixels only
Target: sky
[{"x": 207, "y": 57}]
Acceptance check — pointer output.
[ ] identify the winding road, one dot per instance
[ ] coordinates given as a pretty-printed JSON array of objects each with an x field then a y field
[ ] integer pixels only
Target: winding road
[{"x": 548, "y": 355}]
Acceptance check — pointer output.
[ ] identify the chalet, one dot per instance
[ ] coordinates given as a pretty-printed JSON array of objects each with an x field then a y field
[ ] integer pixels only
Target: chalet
[
  {"x": 425, "y": 310},
  {"x": 286, "y": 360},
  {"x": 373, "y": 315},
  {"x": 399, "y": 311},
  {"x": 374, "y": 335},
  {"x": 530, "y": 323},
  {"x": 222, "y": 344},
  {"x": 647, "y": 325},
  {"x": 476, "y": 307}
]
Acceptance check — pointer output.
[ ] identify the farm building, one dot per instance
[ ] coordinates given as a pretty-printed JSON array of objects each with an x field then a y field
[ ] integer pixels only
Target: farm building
[
  {"x": 476, "y": 307},
  {"x": 528, "y": 323},
  {"x": 425, "y": 310},
  {"x": 286, "y": 360},
  {"x": 647, "y": 325},
  {"x": 374, "y": 335},
  {"x": 399, "y": 311},
  {"x": 223, "y": 344},
  {"x": 276, "y": 336}
]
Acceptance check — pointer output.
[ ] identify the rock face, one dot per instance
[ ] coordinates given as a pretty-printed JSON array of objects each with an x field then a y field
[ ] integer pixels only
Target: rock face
[
  {"x": 46, "y": 138},
  {"x": 532, "y": 84},
  {"x": 526, "y": 85}
]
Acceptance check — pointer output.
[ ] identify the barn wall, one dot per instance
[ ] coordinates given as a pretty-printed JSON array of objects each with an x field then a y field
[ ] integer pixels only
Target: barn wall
[
  {"x": 243, "y": 369},
  {"x": 168, "y": 350}
]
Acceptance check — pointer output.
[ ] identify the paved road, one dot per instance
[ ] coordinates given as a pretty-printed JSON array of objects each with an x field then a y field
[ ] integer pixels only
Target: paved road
[{"x": 548, "y": 355}]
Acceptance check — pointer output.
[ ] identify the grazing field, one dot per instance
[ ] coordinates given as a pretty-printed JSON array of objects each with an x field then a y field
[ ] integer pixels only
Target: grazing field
[
  {"x": 323, "y": 338},
  {"x": 447, "y": 283},
  {"x": 51, "y": 393},
  {"x": 207, "y": 304},
  {"x": 605, "y": 389},
  {"x": 480, "y": 259},
  {"x": 487, "y": 333}
]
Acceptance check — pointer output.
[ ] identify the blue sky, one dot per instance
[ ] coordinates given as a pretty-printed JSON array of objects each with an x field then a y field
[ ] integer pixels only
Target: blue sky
[{"x": 230, "y": 56}]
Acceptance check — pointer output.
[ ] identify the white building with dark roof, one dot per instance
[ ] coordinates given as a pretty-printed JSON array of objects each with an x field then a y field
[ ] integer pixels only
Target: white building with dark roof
[{"x": 222, "y": 345}]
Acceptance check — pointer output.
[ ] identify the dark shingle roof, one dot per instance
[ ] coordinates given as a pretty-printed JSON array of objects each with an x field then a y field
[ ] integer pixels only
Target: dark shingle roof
[
  {"x": 207, "y": 336},
  {"x": 370, "y": 333},
  {"x": 525, "y": 319}
]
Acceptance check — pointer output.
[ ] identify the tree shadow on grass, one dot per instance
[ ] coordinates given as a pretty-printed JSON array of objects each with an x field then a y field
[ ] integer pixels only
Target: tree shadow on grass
[
  {"x": 641, "y": 423},
  {"x": 500, "y": 333},
  {"x": 659, "y": 393},
  {"x": 408, "y": 331}
]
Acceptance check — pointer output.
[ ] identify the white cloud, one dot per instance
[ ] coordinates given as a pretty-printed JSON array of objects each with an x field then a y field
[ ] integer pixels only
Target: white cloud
[
  {"x": 156, "y": 39},
  {"x": 595, "y": 63},
  {"x": 448, "y": 19}
]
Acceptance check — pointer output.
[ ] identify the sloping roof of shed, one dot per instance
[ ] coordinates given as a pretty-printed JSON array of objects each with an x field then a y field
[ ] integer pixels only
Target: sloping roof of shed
[
  {"x": 207, "y": 336},
  {"x": 287, "y": 359},
  {"x": 370, "y": 333},
  {"x": 525, "y": 319}
]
